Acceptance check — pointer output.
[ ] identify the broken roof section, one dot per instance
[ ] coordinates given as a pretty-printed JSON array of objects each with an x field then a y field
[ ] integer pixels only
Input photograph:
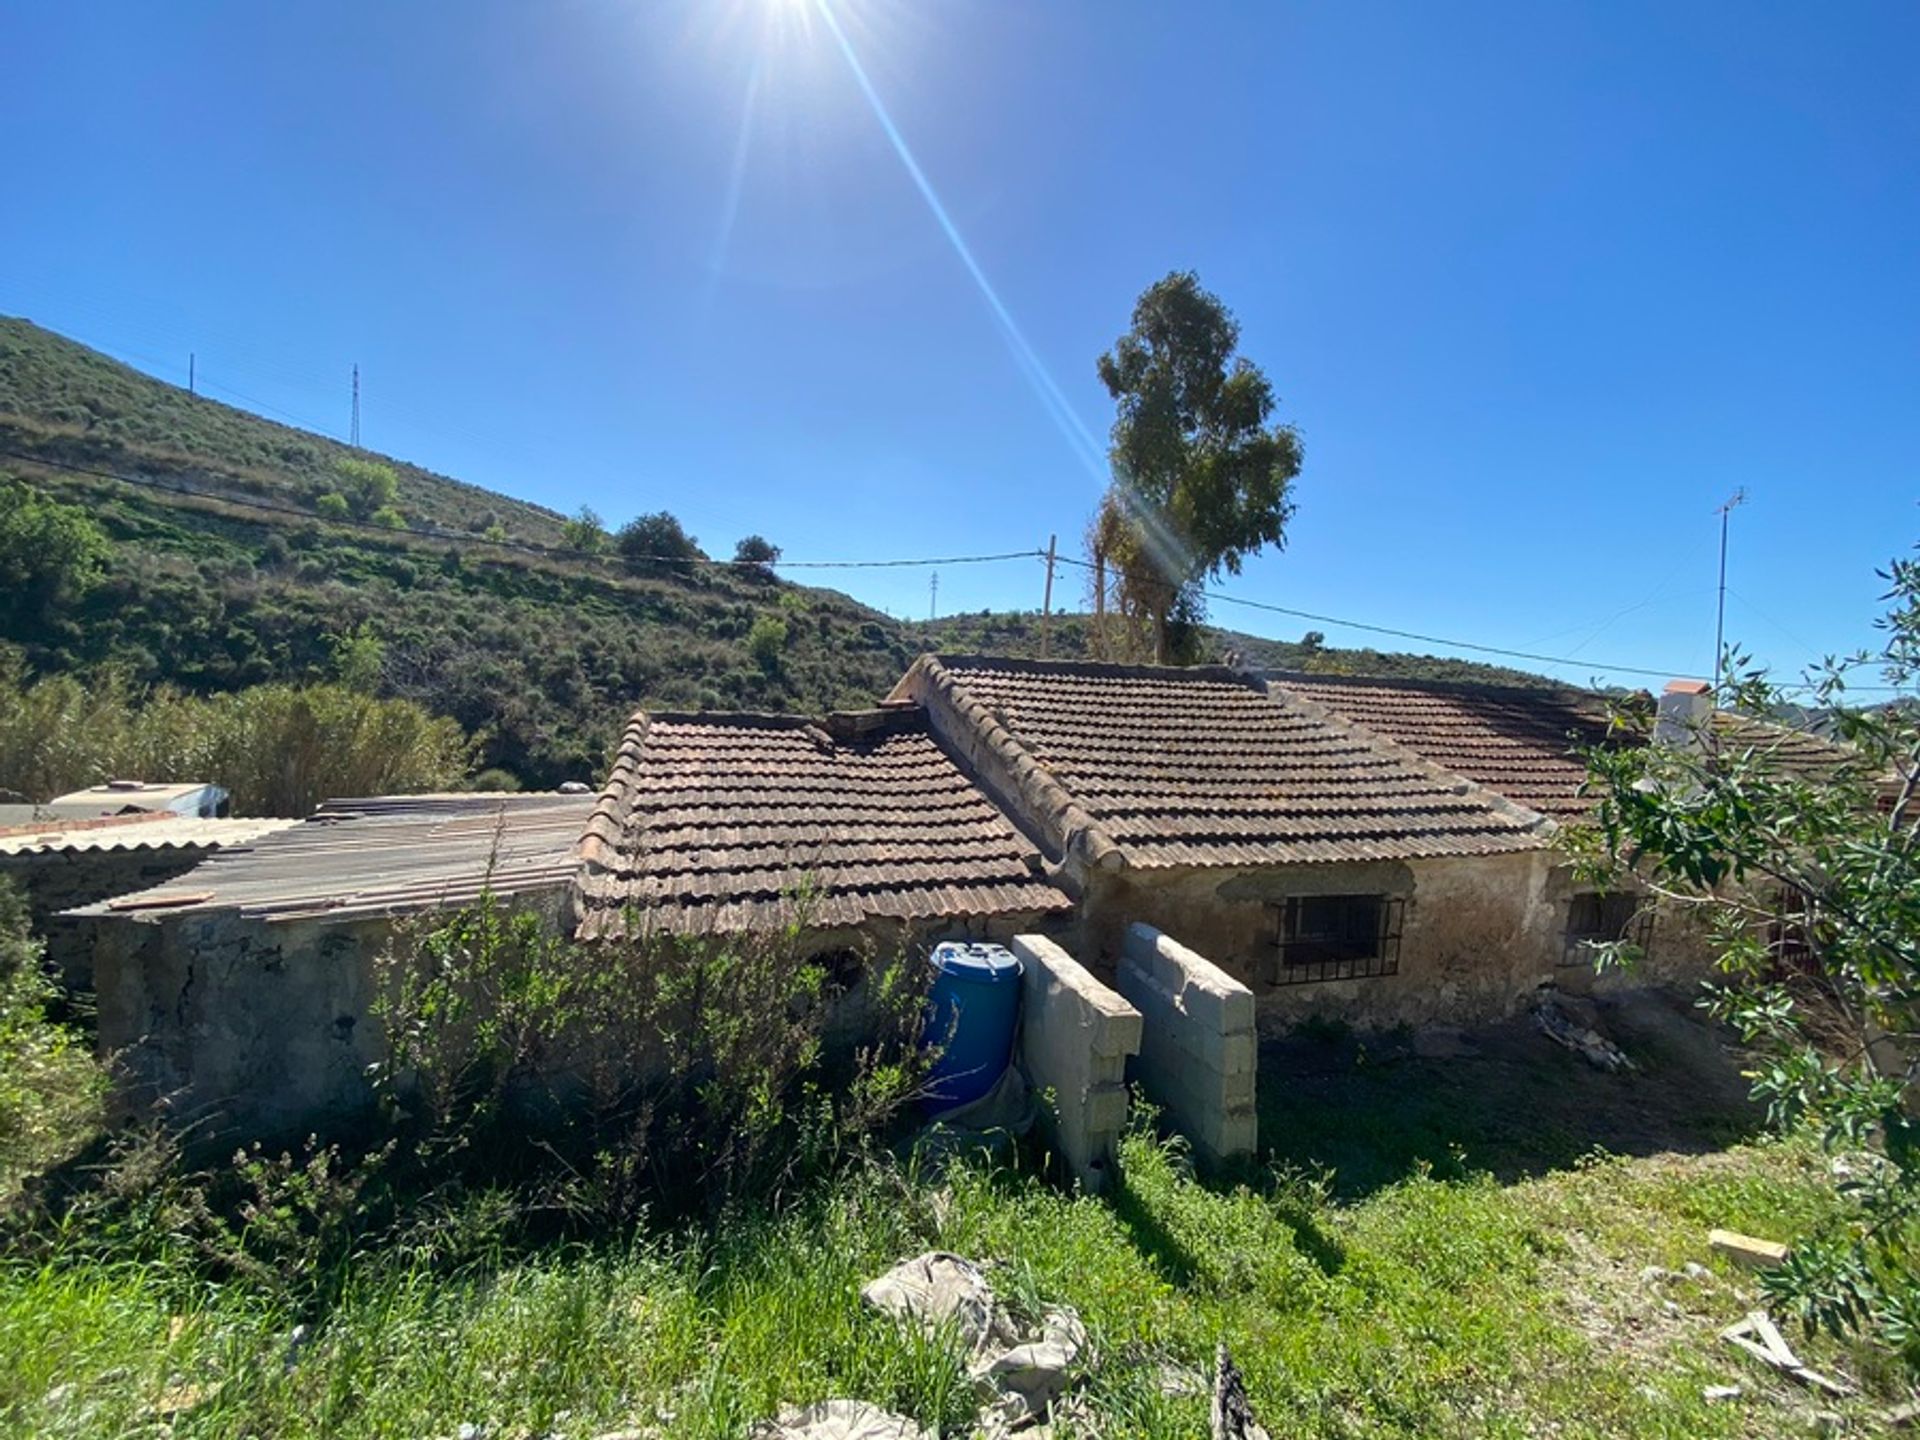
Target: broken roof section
[
  {"x": 723, "y": 822},
  {"x": 394, "y": 855},
  {"x": 1201, "y": 766}
]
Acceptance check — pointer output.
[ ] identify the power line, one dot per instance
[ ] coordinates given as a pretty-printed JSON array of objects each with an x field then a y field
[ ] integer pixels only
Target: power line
[
  {"x": 1411, "y": 634},
  {"x": 564, "y": 552}
]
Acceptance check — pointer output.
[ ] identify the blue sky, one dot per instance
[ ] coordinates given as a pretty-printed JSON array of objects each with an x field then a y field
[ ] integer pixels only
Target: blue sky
[{"x": 1540, "y": 284}]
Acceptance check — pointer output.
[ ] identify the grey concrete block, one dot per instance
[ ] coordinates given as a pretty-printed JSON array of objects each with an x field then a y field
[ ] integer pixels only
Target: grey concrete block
[
  {"x": 1075, "y": 1037},
  {"x": 1198, "y": 1049}
]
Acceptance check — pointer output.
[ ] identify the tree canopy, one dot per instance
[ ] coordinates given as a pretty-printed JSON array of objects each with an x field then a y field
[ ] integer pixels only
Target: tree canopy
[
  {"x": 1808, "y": 880},
  {"x": 48, "y": 551},
  {"x": 1201, "y": 478},
  {"x": 658, "y": 539},
  {"x": 756, "y": 550}
]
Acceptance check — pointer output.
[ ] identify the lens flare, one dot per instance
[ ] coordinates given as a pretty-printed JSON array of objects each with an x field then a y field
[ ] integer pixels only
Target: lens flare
[{"x": 1079, "y": 438}]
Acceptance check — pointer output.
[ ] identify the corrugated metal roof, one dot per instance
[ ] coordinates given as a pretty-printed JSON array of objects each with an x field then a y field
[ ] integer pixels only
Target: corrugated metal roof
[
  {"x": 391, "y": 855},
  {"x": 158, "y": 830}
]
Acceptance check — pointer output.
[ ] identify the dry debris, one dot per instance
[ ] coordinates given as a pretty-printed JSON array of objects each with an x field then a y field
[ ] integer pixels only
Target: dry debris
[
  {"x": 1233, "y": 1417},
  {"x": 1761, "y": 1338},
  {"x": 1020, "y": 1371}
]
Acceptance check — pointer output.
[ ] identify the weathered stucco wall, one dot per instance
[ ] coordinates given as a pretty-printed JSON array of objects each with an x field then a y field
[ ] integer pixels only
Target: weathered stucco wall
[
  {"x": 228, "y": 1022},
  {"x": 63, "y": 880},
  {"x": 260, "y": 1028},
  {"x": 1479, "y": 934}
]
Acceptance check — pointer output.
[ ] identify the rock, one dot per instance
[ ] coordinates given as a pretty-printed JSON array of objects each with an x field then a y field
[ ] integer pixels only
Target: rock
[
  {"x": 1694, "y": 1270},
  {"x": 1717, "y": 1393},
  {"x": 1175, "y": 1379},
  {"x": 1019, "y": 1372},
  {"x": 840, "y": 1420}
]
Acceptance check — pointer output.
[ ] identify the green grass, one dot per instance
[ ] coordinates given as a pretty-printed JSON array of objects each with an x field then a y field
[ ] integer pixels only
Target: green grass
[{"x": 1432, "y": 1307}]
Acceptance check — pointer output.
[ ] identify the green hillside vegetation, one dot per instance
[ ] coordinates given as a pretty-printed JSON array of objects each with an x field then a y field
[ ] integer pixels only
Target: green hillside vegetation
[
  {"x": 249, "y": 553},
  {"x": 1072, "y": 638},
  {"x": 63, "y": 401}
]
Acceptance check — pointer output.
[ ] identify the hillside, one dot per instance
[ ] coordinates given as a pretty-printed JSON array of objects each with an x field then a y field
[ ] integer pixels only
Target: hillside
[{"x": 221, "y": 574}]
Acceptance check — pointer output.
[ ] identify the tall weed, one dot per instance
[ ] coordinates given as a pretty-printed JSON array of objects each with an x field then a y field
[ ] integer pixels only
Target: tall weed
[{"x": 279, "y": 749}]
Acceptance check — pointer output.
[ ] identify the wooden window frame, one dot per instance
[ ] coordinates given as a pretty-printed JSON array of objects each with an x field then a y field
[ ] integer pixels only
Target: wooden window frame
[{"x": 1307, "y": 958}]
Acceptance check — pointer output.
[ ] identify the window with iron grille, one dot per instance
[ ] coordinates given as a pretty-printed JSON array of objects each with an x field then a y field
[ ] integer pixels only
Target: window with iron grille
[
  {"x": 1594, "y": 920},
  {"x": 1336, "y": 937},
  {"x": 1793, "y": 933}
]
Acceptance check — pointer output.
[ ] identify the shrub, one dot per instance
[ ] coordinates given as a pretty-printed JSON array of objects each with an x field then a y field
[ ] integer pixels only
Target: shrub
[
  {"x": 49, "y": 552},
  {"x": 585, "y": 532},
  {"x": 333, "y": 506},
  {"x": 368, "y": 485},
  {"x": 392, "y": 519},
  {"x": 766, "y": 641},
  {"x": 657, "y": 541},
  {"x": 690, "y": 1070},
  {"x": 280, "y": 749},
  {"x": 51, "y": 1091}
]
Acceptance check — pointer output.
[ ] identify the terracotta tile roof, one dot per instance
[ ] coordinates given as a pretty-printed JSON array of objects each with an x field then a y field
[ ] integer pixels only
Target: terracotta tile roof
[
  {"x": 1522, "y": 743},
  {"x": 1203, "y": 767},
  {"x": 1518, "y": 743},
  {"x": 716, "y": 822}
]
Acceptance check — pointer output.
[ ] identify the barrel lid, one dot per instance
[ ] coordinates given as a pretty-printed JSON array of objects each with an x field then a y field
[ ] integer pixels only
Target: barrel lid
[{"x": 982, "y": 963}]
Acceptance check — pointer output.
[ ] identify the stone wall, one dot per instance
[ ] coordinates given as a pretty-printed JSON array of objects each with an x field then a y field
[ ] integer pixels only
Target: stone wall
[
  {"x": 63, "y": 879},
  {"x": 1479, "y": 934},
  {"x": 1197, "y": 1048},
  {"x": 1075, "y": 1038}
]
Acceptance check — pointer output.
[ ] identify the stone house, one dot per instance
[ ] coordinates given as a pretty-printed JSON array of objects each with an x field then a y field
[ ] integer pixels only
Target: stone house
[
  {"x": 243, "y": 990},
  {"x": 1381, "y": 852}
]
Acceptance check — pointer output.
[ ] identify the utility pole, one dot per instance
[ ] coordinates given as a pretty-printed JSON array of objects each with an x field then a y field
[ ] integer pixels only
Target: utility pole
[
  {"x": 933, "y": 593},
  {"x": 356, "y": 407},
  {"x": 1100, "y": 601},
  {"x": 191, "y": 357},
  {"x": 1046, "y": 602},
  {"x": 1739, "y": 497}
]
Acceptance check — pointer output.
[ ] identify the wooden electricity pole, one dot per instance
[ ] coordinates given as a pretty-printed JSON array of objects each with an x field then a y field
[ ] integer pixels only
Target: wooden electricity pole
[
  {"x": 1100, "y": 601},
  {"x": 1046, "y": 603}
]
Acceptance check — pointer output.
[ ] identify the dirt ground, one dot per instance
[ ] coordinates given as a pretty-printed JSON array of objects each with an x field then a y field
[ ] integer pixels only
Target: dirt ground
[{"x": 1500, "y": 1098}]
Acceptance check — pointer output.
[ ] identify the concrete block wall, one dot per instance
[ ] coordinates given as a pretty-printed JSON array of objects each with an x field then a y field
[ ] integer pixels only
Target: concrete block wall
[
  {"x": 1197, "y": 1046},
  {"x": 1076, "y": 1035}
]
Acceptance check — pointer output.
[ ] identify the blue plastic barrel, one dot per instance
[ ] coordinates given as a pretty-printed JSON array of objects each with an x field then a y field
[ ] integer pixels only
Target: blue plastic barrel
[{"x": 971, "y": 1011}]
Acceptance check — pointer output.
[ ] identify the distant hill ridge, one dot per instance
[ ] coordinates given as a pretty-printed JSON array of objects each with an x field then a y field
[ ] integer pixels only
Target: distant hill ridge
[{"x": 545, "y": 655}]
